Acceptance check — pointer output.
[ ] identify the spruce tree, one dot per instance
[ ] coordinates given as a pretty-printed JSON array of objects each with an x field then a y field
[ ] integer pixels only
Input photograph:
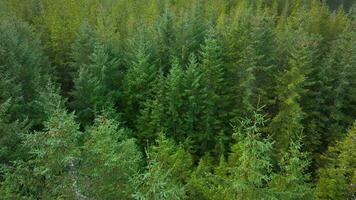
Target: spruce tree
[
  {"x": 167, "y": 167},
  {"x": 212, "y": 75},
  {"x": 293, "y": 179},
  {"x": 175, "y": 102},
  {"x": 53, "y": 156},
  {"x": 166, "y": 39},
  {"x": 337, "y": 176},
  {"x": 110, "y": 160},
  {"x": 24, "y": 70},
  {"x": 138, "y": 84},
  {"x": 287, "y": 124},
  {"x": 250, "y": 161},
  {"x": 152, "y": 120},
  {"x": 94, "y": 87}
]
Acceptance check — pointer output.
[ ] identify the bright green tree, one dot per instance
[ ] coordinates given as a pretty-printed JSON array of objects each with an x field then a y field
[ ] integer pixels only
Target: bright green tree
[
  {"x": 287, "y": 124},
  {"x": 167, "y": 166},
  {"x": 293, "y": 179},
  {"x": 250, "y": 161},
  {"x": 109, "y": 161},
  {"x": 337, "y": 176}
]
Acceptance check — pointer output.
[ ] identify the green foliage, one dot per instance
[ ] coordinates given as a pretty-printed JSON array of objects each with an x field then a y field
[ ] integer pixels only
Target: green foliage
[
  {"x": 293, "y": 180},
  {"x": 82, "y": 80},
  {"x": 12, "y": 135},
  {"x": 337, "y": 177},
  {"x": 286, "y": 125},
  {"x": 94, "y": 86},
  {"x": 250, "y": 161},
  {"x": 109, "y": 162},
  {"x": 23, "y": 70},
  {"x": 162, "y": 178},
  {"x": 139, "y": 84}
]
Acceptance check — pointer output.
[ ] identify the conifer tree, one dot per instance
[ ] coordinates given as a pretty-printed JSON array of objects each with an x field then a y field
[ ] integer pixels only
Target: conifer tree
[
  {"x": 53, "y": 156},
  {"x": 212, "y": 72},
  {"x": 193, "y": 96},
  {"x": 94, "y": 88},
  {"x": 166, "y": 39},
  {"x": 191, "y": 32},
  {"x": 337, "y": 176},
  {"x": 152, "y": 120},
  {"x": 139, "y": 84},
  {"x": 287, "y": 124},
  {"x": 200, "y": 185},
  {"x": 168, "y": 166},
  {"x": 11, "y": 138},
  {"x": 110, "y": 161},
  {"x": 293, "y": 180},
  {"x": 23, "y": 69},
  {"x": 336, "y": 85},
  {"x": 250, "y": 161},
  {"x": 175, "y": 102},
  {"x": 82, "y": 47}
]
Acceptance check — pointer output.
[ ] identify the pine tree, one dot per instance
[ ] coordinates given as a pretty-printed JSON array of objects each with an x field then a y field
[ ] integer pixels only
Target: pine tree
[
  {"x": 175, "y": 102},
  {"x": 335, "y": 88},
  {"x": 82, "y": 47},
  {"x": 193, "y": 96},
  {"x": 110, "y": 161},
  {"x": 167, "y": 167},
  {"x": 337, "y": 176},
  {"x": 265, "y": 60},
  {"x": 139, "y": 84},
  {"x": 53, "y": 155},
  {"x": 191, "y": 32},
  {"x": 293, "y": 180},
  {"x": 23, "y": 69},
  {"x": 166, "y": 39},
  {"x": 94, "y": 86},
  {"x": 212, "y": 74},
  {"x": 152, "y": 118},
  {"x": 287, "y": 124},
  {"x": 11, "y": 138},
  {"x": 200, "y": 185},
  {"x": 250, "y": 161}
]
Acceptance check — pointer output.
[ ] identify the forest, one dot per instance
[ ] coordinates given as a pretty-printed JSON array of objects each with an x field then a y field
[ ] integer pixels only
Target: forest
[{"x": 177, "y": 100}]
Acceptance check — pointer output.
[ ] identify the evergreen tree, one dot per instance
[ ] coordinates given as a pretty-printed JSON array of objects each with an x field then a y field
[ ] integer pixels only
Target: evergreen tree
[
  {"x": 163, "y": 177},
  {"x": 13, "y": 133},
  {"x": 286, "y": 125},
  {"x": 175, "y": 102},
  {"x": 152, "y": 118},
  {"x": 212, "y": 75},
  {"x": 166, "y": 39},
  {"x": 337, "y": 176},
  {"x": 293, "y": 180},
  {"x": 139, "y": 84},
  {"x": 82, "y": 47},
  {"x": 94, "y": 86},
  {"x": 250, "y": 161},
  {"x": 193, "y": 96},
  {"x": 54, "y": 154},
  {"x": 23, "y": 69},
  {"x": 110, "y": 161},
  {"x": 335, "y": 88}
]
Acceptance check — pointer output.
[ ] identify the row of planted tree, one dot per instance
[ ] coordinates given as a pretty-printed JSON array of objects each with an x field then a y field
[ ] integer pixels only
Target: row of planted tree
[{"x": 180, "y": 99}]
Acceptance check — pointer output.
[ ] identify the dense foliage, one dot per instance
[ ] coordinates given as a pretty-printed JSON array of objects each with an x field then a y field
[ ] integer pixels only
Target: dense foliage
[{"x": 177, "y": 99}]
